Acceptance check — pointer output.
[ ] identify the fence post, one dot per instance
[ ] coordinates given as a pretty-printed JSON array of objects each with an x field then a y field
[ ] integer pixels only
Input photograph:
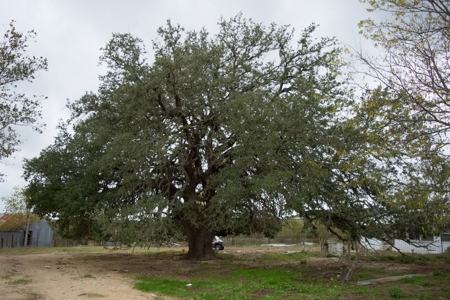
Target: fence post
[{"x": 25, "y": 242}]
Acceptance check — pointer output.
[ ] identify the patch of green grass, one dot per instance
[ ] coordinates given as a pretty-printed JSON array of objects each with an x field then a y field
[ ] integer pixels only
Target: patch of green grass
[
  {"x": 439, "y": 273},
  {"x": 426, "y": 283},
  {"x": 263, "y": 277},
  {"x": 444, "y": 257},
  {"x": 425, "y": 295},
  {"x": 298, "y": 255},
  {"x": 372, "y": 273},
  {"x": 431, "y": 287},
  {"x": 409, "y": 280},
  {"x": 21, "y": 281},
  {"x": 252, "y": 283},
  {"x": 396, "y": 293},
  {"x": 443, "y": 292},
  {"x": 23, "y": 250},
  {"x": 417, "y": 280},
  {"x": 78, "y": 249},
  {"x": 38, "y": 250},
  {"x": 403, "y": 259},
  {"x": 34, "y": 296},
  {"x": 333, "y": 296},
  {"x": 88, "y": 276},
  {"x": 82, "y": 249}
]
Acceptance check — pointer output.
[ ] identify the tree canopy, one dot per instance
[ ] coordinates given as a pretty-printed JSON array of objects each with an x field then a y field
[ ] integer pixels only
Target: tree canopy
[
  {"x": 224, "y": 133},
  {"x": 405, "y": 117},
  {"x": 16, "y": 203},
  {"x": 230, "y": 133},
  {"x": 17, "y": 210},
  {"x": 414, "y": 65},
  {"x": 17, "y": 109}
]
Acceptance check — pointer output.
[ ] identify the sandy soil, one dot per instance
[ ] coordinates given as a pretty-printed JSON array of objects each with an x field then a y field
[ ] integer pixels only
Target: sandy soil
[{"x": 64, "y": 275}]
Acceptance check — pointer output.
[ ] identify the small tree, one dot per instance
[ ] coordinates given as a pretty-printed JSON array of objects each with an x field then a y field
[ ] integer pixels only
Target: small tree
[
  {"x": 16, "y": 203},
  {"x": 20, "y": 210},
  {"x": 406, "y": 117},
  {"x": 17, "y": 109},
  {"x": 413, "y": 65}
]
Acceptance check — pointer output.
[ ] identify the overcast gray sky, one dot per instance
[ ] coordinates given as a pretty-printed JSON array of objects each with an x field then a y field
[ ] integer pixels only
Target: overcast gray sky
[{"x": 70, "y": 34}]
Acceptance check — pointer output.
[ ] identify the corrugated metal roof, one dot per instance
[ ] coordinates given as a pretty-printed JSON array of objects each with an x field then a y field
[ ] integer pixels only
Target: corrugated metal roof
[
  {"x": 6, "y": 217},
  {"x": 13, "y": 222}
]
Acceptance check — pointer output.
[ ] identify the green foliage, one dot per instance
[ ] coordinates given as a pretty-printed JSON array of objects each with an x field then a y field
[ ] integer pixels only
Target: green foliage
[
  {"x": 17, "y": 202},
  {"x": 137, "y": 225},
  {"x": 17, "y": 207},
  {"x": 225, "y": 133},
  {"x": 293, "y": 227},
  {"x": 415, "y": 41},
  {"x": 301, "y": 230},
  {"x": 406, "y": 117},
  {"x": 17, "y": 109}
]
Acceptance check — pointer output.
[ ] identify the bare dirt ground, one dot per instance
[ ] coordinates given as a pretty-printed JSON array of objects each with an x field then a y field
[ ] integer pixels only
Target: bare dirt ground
[
  {"x": 65, "y": 275},
  {"x": 111, "y": 275}
]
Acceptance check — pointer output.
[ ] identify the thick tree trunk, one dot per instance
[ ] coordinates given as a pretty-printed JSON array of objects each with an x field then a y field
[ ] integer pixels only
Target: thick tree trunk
[{"x": 200, "y": 242}]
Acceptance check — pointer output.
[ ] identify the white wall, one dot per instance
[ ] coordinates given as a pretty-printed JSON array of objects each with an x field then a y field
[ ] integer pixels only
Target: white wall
[
  {"x": 416, "y": 246},
  {"x": 372, "y": 244},
  {"x": 423, "y": 247}
]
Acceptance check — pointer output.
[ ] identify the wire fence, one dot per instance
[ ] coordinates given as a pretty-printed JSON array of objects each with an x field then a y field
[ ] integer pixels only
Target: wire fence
[
  {"x": 240, "y": 240},
  {"x": 256, "y": 240}
]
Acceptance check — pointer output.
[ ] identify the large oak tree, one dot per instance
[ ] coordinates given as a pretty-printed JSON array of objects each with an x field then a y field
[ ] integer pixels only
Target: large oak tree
[{"x": 228, "y": 132}]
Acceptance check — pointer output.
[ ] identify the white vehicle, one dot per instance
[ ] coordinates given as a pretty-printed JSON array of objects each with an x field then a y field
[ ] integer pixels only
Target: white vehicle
[{"x": 218, "y": 243}]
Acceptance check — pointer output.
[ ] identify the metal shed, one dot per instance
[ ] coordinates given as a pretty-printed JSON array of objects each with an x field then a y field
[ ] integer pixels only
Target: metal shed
[{"x": 13, "y": 227}]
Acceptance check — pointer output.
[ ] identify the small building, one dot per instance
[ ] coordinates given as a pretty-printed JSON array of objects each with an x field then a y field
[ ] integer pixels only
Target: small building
[
  {"x": 334, "y": 248},
  {"x": 13, "y": 228},
  {"x": 433, "y": 245}
]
